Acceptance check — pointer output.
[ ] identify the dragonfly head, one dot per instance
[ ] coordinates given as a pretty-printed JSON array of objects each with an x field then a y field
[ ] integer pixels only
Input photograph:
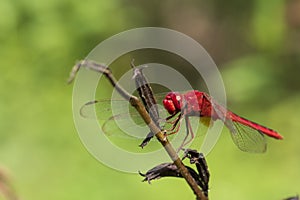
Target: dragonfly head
[{"x": 173, "y": 102}]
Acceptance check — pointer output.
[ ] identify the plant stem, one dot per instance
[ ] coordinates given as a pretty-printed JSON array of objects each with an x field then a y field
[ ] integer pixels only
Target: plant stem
[{"x": 137, "y": 104}]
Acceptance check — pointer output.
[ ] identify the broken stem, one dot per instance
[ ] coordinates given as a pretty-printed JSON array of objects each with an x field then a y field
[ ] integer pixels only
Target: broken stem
[{"x": 137, "y": 104}]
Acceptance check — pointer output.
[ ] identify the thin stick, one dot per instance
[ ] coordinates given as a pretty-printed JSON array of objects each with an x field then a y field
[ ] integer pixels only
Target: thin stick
[
  {"x": 6, "y": 189},
  {"x": 137, "y": 104}
]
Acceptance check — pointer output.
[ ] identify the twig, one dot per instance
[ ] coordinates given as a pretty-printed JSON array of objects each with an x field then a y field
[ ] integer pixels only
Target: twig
[
  {"x": 136, "y": 103},
  {"x": 6, "y": 188},
  {"x": 170, "y": 170}
]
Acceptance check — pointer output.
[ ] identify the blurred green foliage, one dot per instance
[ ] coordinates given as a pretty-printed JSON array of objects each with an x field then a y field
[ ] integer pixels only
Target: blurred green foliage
[{"x": 256, "y": 45}]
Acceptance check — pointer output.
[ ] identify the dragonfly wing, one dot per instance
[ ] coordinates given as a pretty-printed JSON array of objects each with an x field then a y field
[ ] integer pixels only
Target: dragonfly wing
[
  {"x": 125, "y": 126},
  {"x": 246, "y": 138},
  {"x": 116, "y": 118},
  {"x": 103, "y": 109}
]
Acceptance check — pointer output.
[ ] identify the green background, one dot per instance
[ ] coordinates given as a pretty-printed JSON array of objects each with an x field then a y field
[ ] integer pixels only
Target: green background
[{"x": 255, "y": 44}]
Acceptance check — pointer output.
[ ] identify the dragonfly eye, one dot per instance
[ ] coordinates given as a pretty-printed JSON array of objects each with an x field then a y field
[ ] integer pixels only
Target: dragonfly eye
[
  {"x": 178, "y": 98},
  {"x": 177, "y": 101},
  {"x": 172, "y": 102}
]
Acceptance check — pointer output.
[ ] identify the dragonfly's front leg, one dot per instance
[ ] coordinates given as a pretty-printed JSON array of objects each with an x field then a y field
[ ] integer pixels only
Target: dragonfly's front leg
[
  {"x": 176, "y": 125},
  {"x": 170, "y": 117}
]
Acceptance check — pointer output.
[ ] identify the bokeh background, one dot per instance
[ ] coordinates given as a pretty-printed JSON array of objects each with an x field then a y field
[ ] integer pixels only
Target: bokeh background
[{"x": 256, "y": 45}]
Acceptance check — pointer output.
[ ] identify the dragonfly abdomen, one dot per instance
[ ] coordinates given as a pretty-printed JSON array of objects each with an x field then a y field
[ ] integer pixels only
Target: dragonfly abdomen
[{"x": 258, "y": 127}]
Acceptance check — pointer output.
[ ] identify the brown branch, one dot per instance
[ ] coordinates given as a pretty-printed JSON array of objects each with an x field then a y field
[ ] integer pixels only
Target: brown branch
[
  {"x": 6, "y": 188},
  {"x": 137, "y": 104}
]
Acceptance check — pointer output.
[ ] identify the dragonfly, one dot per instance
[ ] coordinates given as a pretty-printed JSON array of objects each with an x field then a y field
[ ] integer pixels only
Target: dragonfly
[{"x": 247, "y": 135}]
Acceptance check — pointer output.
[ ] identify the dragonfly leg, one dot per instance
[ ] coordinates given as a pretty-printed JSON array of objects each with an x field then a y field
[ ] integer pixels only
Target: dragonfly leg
[
  {"x": 173, "y": 121},
  {"x": 176, "y": 125},
  {"x": 189, "y": 131},
  {"x": 175, "y": 129}
]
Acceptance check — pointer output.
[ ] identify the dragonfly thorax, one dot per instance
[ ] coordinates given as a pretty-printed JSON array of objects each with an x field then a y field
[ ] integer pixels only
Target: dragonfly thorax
[{"x": 192, "y": 103}]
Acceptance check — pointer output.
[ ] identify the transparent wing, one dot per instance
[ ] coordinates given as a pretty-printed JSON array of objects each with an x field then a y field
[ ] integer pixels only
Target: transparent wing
[
  {"x": 101, "y": 109},
  {"x": 117, "y": 118},
  {"x": 245, "y": 138},
  {"x": 125, "y": 126},
  {"x": 105, "y": 108}
]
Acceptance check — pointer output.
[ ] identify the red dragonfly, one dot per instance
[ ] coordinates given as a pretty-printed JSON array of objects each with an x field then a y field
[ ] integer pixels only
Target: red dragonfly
[{"x": 247, "y": 135}]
